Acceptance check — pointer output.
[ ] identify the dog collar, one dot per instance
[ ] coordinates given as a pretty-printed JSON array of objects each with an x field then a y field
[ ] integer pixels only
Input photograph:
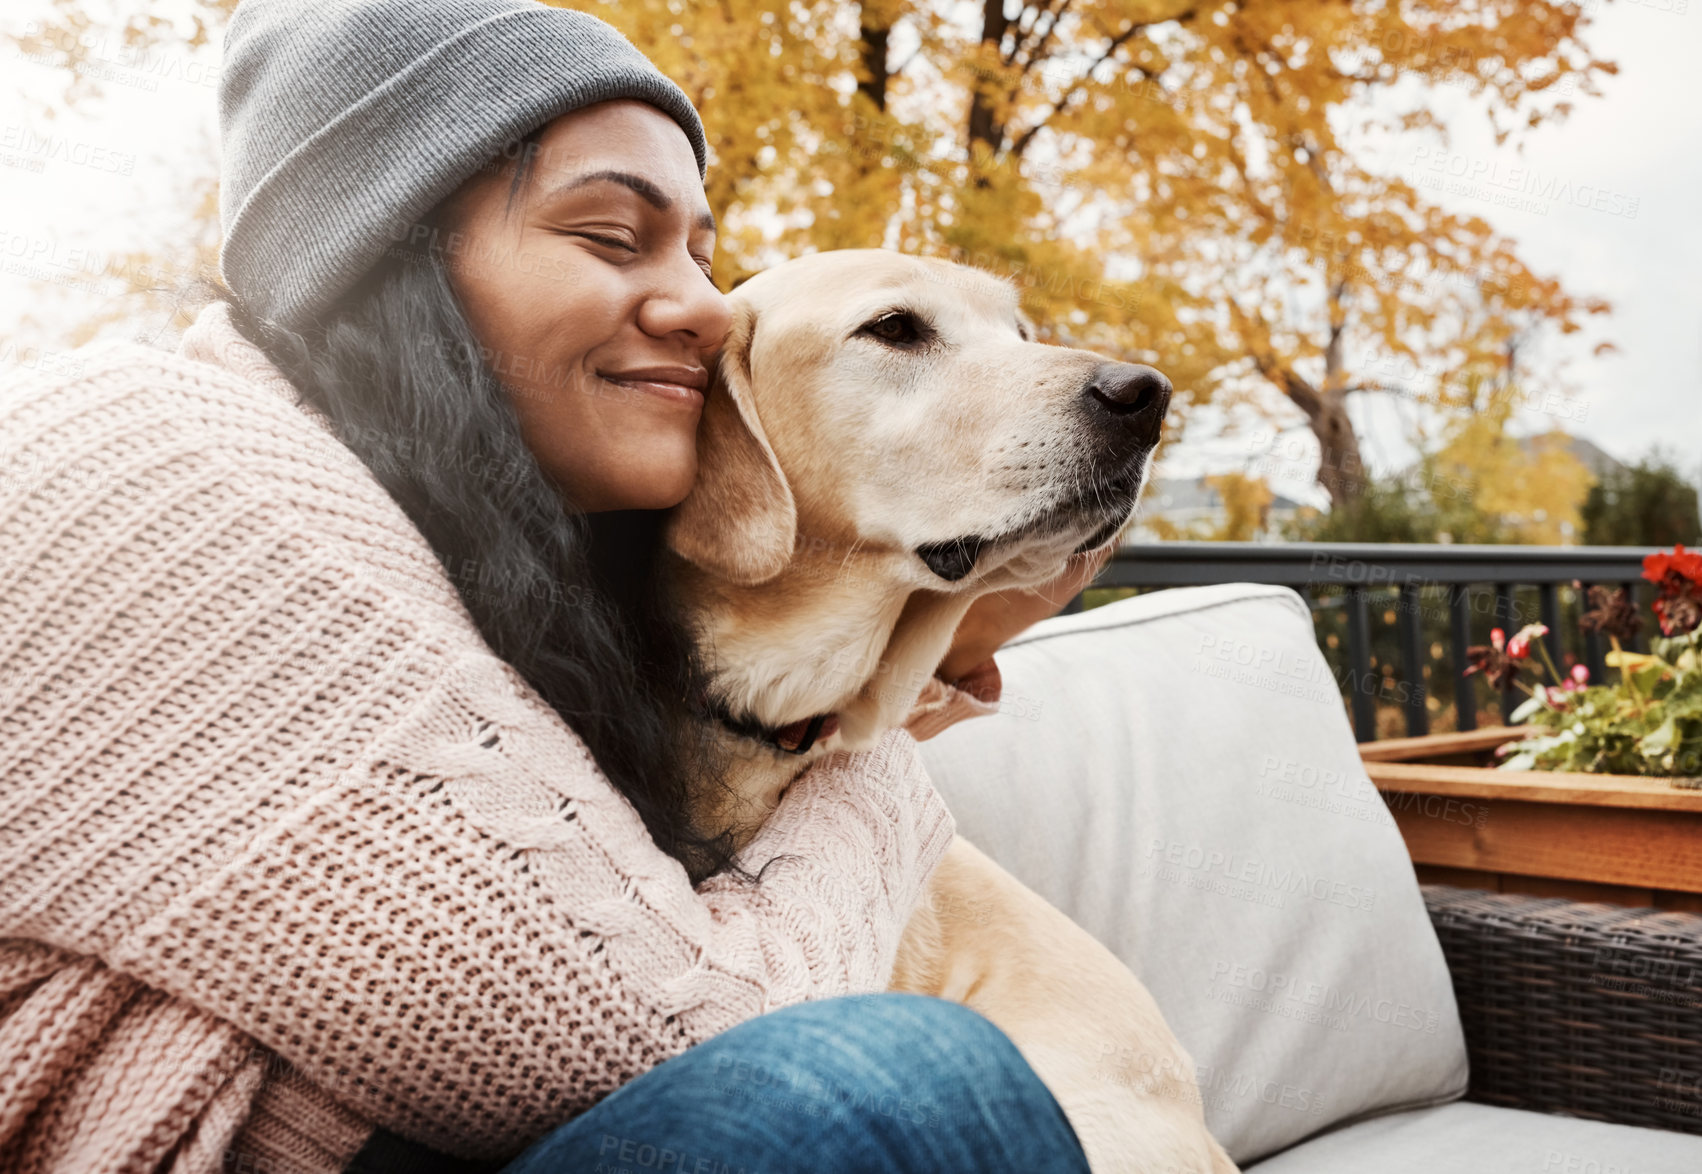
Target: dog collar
[{"x": 795, "y": 738}]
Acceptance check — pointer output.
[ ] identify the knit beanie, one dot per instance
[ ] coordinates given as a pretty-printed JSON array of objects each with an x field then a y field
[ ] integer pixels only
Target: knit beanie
[{"x": 342, "y": 122}]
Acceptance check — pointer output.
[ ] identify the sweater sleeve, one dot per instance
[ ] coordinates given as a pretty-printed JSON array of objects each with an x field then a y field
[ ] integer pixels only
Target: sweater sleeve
[
  {"x": 257, "y": 757},
  {"x": 942, "y": 704}
]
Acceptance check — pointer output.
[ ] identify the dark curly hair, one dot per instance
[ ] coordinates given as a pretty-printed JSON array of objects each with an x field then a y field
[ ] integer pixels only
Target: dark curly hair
[{"x": 571, "y": 600}]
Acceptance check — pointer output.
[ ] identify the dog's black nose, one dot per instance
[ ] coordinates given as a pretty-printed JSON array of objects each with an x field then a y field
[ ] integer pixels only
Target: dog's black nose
[{"x": 1129, "y": 396}]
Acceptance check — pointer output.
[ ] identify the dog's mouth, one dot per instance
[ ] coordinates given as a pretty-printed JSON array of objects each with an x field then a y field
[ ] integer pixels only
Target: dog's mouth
[
  {"x": 1110, "y": 502},
  {"x": 1101, "y": 536},
  {"x": 1104, "y": 505},
  {"x": 956, "y": 557}
]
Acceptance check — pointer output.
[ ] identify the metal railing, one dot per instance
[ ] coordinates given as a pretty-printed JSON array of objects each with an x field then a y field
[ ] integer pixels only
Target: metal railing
[{"x": 1358, "y": 573}]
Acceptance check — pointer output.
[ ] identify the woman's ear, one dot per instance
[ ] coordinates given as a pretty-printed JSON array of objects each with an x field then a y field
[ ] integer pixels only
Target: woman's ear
[{"x": 739, "y": 522}]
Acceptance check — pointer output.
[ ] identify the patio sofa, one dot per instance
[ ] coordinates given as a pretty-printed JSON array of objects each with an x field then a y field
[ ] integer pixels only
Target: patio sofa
[{"x": 1177, "y": 773}]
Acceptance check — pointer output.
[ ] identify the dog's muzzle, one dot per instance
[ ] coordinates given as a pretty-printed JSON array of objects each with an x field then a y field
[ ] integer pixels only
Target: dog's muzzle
[{"x": 1125, "y": 404}]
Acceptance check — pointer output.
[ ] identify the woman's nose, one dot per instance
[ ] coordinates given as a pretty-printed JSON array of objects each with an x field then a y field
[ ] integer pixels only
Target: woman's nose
[{"x": 687, "y": 302}]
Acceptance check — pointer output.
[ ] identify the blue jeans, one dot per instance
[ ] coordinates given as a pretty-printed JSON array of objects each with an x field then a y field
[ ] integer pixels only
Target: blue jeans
[{"x": 856, "y": 1085}]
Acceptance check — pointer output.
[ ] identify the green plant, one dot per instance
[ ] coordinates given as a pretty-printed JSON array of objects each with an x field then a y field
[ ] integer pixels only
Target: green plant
[
  {"x": 1419, "y": 506},
  {"x": 1647, "y": 723}
]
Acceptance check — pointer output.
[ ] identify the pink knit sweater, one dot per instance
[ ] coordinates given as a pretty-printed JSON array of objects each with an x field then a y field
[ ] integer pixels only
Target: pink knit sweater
[{"x": 287, "y": 853}]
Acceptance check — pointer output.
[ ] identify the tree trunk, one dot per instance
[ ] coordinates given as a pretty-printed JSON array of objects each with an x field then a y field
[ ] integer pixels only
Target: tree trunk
[
  {"x": 986, "y": 135},
  {"x": 872, "y": 35},
  {"x": 1340, "y": 470}
]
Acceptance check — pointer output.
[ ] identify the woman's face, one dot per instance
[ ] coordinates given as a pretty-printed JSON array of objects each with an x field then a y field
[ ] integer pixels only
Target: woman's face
[{"x": 592, "y": 300}]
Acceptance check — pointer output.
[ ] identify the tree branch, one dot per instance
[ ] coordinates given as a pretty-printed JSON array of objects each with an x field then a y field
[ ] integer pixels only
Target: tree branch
[
  {"x": 1305, "y": 397},
  {"x": 1117, "y": 42},
  {"x": 1027, "y": 136},
  {"x": 1338, "y": 326},
  {"x": 1038, "y": 52}
]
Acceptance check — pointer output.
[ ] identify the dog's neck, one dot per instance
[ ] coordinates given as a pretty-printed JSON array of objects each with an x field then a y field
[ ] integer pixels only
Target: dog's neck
[{"x": 814, "y": 640}]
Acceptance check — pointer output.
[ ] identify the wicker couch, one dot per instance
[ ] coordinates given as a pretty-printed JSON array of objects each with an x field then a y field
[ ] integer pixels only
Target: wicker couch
[{"x": 1594, "y": 1011}]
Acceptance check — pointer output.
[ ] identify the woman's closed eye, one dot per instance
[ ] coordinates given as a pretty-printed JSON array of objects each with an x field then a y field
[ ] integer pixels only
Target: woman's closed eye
[
  {"x": 631, "y": 247},
  {"x": 606, "y": 240}
]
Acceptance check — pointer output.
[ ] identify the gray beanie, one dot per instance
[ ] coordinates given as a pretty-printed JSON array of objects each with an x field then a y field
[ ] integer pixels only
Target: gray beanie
[{"x": 341, "y": 122}]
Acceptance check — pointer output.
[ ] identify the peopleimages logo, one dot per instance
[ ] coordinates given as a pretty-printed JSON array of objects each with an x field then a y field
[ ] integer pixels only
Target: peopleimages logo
[
  {"x": 637, "y": 1154},
  {"x": 1494, "y": 175},
  {"x": 1555, "y": 1162},
  {"x": 1222, "y": 1088},
  {"x": 1339, "y": 792},
  {"x": 60, "y": 149},
  {"x": 1238, "y": 866},
  {"x": 1331, "y": 1000}
]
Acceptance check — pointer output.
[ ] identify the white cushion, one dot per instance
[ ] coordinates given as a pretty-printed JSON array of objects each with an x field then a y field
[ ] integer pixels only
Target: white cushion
[
  {"x": 1466, "y": 1138},
  {"x": 1176, "y": 773}
]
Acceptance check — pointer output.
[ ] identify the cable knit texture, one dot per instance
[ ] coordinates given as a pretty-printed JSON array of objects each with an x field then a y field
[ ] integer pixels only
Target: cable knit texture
[
  {"x": 287, "y": 853},
  {"x": 945, "y": 703}
]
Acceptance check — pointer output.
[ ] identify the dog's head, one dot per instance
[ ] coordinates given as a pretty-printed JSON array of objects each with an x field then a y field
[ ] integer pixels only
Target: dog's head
[{"x": 895, "y": 407}]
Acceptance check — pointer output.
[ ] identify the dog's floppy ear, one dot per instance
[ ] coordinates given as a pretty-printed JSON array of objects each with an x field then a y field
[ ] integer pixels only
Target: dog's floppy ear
[{"x": 739, "y": 521}]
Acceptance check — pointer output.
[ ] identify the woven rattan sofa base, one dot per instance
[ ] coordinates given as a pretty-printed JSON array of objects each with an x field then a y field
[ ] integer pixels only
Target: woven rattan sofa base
[{"x": 1590, "y": 1010}]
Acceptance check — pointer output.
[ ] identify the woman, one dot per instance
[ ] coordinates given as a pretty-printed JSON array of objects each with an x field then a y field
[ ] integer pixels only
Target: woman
[{"x": 343, "y": 810}]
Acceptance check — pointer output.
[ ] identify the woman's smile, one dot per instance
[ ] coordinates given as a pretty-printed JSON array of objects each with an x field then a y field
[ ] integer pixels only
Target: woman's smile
[{"x": 682, "y": 387}]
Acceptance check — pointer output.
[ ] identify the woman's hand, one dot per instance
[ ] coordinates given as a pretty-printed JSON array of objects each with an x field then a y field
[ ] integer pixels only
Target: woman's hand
[{"x": 995, "y": 618}]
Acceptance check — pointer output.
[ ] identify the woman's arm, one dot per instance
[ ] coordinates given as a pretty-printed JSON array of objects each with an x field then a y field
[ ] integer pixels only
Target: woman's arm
[
  {"x": 995, "y": 618},
  {"x": 258, "y": 759},
  {"x": 967, "y": 684}
]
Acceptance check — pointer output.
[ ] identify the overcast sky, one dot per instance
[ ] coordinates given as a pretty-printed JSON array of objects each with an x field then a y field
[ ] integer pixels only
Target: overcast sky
[
  {"x": 1638, "y": 239},
  {"x": 115, "y": 179},
  {"x": 1637, "y": 151}
]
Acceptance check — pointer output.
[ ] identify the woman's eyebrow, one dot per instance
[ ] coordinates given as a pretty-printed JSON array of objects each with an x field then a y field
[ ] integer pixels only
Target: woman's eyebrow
[{"x": 653, "y": 195}]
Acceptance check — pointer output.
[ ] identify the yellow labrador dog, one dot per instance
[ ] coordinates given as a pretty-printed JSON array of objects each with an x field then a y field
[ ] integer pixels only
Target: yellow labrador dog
[{"x": 884, "y": 442}]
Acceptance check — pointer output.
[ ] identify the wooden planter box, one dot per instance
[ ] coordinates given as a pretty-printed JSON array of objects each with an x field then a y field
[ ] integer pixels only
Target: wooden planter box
[{"x": 1620, "y": 839}]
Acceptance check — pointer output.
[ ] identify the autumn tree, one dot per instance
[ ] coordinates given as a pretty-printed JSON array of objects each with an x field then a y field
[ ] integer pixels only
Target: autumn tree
[
  {"x": 1165, "y": 177},
  {"x": 1475, "y": 482},
  {"x": 1533, "y": 488},
  {"x": 1174, "y": 181},
  {"x": 1244, "y": 506}
]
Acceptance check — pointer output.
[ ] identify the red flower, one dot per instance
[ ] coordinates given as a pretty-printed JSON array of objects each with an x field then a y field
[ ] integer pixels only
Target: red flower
[
  {"x": 1519, "y": 647},
  {"x": 1498, "y": 668},
  {"x": 1678, "y": 577},
  {"x": 1559, "y": 697},
  {"x": 1686, "y": 564},
  {"x": 1681, "y": 610}
]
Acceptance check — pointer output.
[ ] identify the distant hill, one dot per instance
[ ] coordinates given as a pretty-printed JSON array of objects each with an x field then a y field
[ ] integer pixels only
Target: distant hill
[{"x": 1592, "y": 456}]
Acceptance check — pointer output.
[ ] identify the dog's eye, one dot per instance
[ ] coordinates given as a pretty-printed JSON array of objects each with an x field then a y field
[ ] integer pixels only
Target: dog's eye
[{"x": 898, "y": 328}]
